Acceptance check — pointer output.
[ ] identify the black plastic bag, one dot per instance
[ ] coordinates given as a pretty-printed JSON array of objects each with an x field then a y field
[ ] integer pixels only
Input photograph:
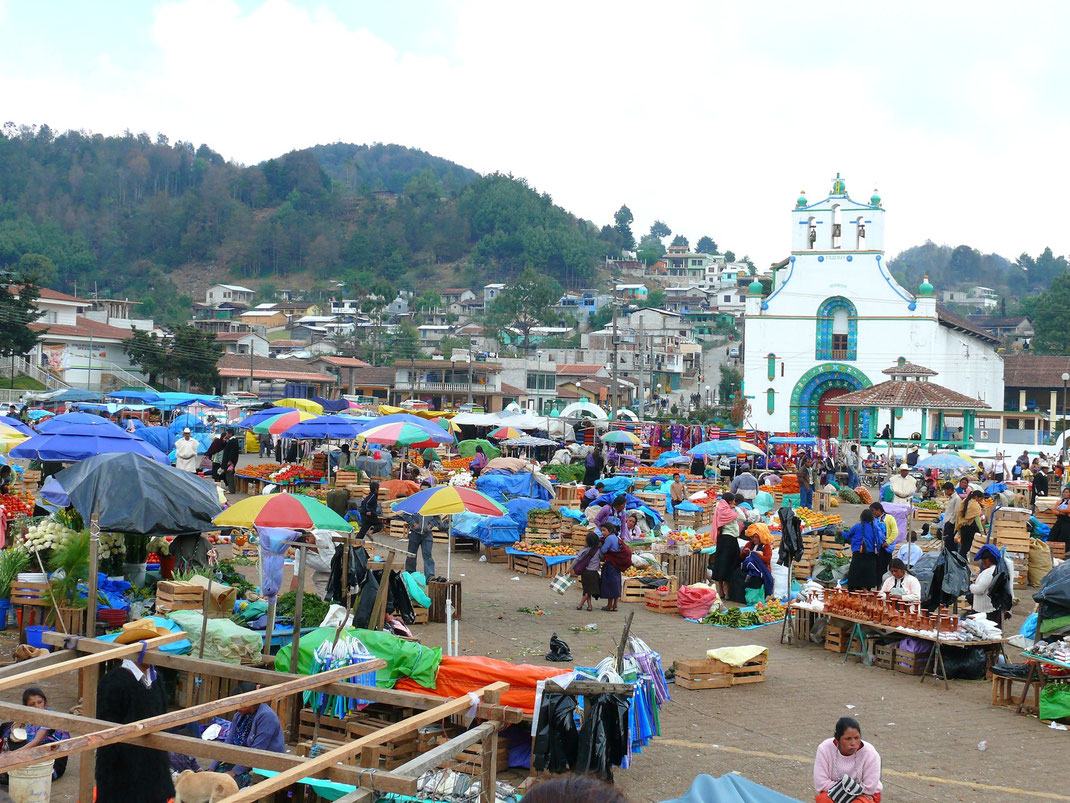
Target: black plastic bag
[
  {"x": 559, "y": 650},
  {"x": 604, "y": 735},
  {"x": 963, "y": 663},
  {"x": 791, "y": 545},
  {"x": 1054, "y": 593},
  {"x": 556, "y": 740},
  {"x": 950, "y": 580}
]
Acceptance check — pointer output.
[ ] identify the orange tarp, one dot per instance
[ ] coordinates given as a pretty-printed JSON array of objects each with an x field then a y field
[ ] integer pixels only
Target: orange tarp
[{"x": 460, "y": 675}]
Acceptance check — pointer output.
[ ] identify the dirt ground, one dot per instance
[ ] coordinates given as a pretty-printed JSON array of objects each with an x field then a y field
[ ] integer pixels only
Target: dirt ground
[{"x": 928, "y": 737}]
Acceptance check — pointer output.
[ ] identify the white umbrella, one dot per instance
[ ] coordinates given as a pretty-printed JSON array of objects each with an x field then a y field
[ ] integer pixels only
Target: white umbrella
[{"x": 580, "y": 409}]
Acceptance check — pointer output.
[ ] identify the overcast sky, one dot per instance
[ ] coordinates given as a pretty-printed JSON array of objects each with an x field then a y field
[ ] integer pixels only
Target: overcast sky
[{"x": 710, "y": 116}]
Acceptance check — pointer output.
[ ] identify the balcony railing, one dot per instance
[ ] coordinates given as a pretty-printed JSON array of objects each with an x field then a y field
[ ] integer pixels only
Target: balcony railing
[
  {"x": 840, "y": 354},
  {"x": 446, "y": 387}
]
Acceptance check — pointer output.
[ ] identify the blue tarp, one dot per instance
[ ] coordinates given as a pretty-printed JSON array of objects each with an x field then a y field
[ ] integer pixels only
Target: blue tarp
[
  {"x": 466, "y": 523},
  {"x": 498, "y": 531},
  {"x": 500, "y": 487},
  {"x": 617, "y": 485},
  {"x": 800, "y": 441},
  {"x": 730, "y": 788},
  {"x": 186, "y": 420},
  {"x": 551, "y": 560},
  {"x": 520, "y": 507},
  {"x": 204, "y": 440},
  {"x": 631, "y": 503},
  {"x": 671, "y": 458},
  {"x": 160, "y": 437}
]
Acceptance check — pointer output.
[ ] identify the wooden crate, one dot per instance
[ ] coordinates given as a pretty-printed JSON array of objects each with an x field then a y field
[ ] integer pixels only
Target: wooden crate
[
  {"x": 634, "y": 590},
  {"x": 31, "y": 479},
  {"x": 421, "y": 614},
  {"x": 1013, "y": 536},
  {"x": 536, "y": 565},
  {"x": 495, "y": 554},
  {"x": 653, "y": 501},
  {"x": 884, "y": 656},
  {"x": 659, "y": 604},
  {"x": 439, "y": 592},
  {"x": 397, "y": 528},
  {"x": 688, "y": 569},
  {"x": 575, "y": 538},
  {"x": 175, "y": 595},
  {"x": 921, "y": 514},
  {"x": 803, "y": 569},
  {"x": 690, "y": 518},
  {"x": 802, "y": 623},
  {"x": 1058, "y": 550},
  {"x": 836, "y": 637},
  {"x": 709, "y": 673},
  {"x": 470, "y": 760},
  {"x": 569, "y": 493},
  {"x": 910, "y": 663},
  {"x": 464, "y": 544},
  {"x": 30, "y": 594}
]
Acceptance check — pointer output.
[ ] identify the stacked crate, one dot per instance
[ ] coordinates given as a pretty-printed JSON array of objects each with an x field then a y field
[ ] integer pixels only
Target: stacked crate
[
  {"x": 655, "y": 502},
  {"x": 1045, "y": 506},
  {"x": 1010, "y": 531},
  {"x": 173, "y": 595},
  {"x": 547, "y": 525}
]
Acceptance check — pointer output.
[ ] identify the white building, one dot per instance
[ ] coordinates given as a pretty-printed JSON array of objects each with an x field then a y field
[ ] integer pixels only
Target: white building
[
  {"x": 243, "y": 343},
  {"x": 836, "y": 319},
  {"x": 491, "y": 292},
  {"x": 233, "y": 293}
]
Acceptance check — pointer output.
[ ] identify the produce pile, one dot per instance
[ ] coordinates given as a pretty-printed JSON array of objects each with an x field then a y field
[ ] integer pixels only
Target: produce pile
[
  {"x": 47, "y": 533},
  {"x": 648, "y": 572},
  {"x": 19, "y": 503},
  {"x": 849, "y": 496},
  {"x": 864, "y": 495},
  {"x": 313, "y": 609},
  {"x": 929, "y": 504},
  {"x": 547, "y": 548},
  {"x": 763, "y": 613},
  {"x": 694, "y": 540},
  {"x": 457, "y": 462},
  {"x": 828, "y": 562},
  {"x": 280, "y": 473},
  {"x": 565, "y": 474},
  {"x": 261, "y": 470},
  {"x": 789, "y": 483}
]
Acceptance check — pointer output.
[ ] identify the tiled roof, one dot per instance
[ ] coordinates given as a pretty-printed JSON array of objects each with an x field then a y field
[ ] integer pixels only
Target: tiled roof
[
  {"x": 285, "y": 344},
  {"x": 344, "y": 362},
  {"x": 953, "y": 321},
  {"x": 56, "y": 295},
  {"x": 512, "y": 390},
  {"x": 378, "y": 376},
  {"x": 84, "y": 328},
  {"x": 238, "y": 365},
  {"x": 1034, "y": 370},
  {"x": 1001, "y": 323},
  {"x": 579, "y": 370},
  {"x": 911, "y": 395},
  {"x": 908, "y": 369},
  {"x": 233, "y": 337}
]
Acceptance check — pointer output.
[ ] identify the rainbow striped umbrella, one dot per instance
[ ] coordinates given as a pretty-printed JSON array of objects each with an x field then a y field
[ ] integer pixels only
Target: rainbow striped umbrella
[
  {"x": 506, "y": 433},
  {"x": 620, "y": 436},
  {"x": 278, "y": 424},
  {"x": 445, "y": 500},
  {"x": 405, "y": 433},
  {"x": 448, "y": 425},
  {"x": 282, "y": 510}
]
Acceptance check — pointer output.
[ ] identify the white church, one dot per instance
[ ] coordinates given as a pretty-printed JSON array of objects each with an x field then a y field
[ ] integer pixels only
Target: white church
[{"x": 836, "y": 321}]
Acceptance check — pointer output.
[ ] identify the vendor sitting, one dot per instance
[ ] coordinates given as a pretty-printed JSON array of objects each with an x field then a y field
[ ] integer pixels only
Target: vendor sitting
[
  {"x": 632, "y": 532},
  {"x": 846, "y": 761},
  {"x": 255, "y": 726},
  {"x": 901, "y": 586},
  {"x": 36, "y": 735},
  {"x": 591, "y": 494}
]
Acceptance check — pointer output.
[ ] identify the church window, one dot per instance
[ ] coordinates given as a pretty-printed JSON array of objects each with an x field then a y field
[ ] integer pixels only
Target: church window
[
  {"x": 771, "y": 366},
  {"x": 837, "y": 330},
  {"x": 836, "y": 231},
  {"x": 811, "y": 233},
  {"x": 860, "y": 224},
  {"x": 770, "y": 401}
]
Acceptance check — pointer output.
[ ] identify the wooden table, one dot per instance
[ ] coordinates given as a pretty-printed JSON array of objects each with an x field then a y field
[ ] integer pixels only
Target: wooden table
[
  {"x": 1036, "y": 675},
  {"x": 936, "y": 655}
]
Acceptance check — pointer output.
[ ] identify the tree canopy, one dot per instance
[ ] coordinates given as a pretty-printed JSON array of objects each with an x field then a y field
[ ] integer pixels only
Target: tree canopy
[
  {"x": 189, "y": 355},
  {"x": 526, "y": 304},
  {"x": 706, "y": 245},
  {"x": 18, "y": 296}
]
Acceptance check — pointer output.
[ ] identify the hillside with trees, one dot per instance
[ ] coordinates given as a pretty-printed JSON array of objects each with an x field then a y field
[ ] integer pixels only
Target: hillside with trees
[{"x": 119, "y": 215}]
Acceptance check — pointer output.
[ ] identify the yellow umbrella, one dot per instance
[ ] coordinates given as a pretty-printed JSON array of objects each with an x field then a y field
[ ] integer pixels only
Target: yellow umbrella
[
  {"x": 10, "y": 438},
  {"x": 307, "y": 405}
]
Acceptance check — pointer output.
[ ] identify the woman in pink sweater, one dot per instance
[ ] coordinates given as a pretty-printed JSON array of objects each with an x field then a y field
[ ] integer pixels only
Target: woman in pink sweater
[{"x": 846, "y": 754}]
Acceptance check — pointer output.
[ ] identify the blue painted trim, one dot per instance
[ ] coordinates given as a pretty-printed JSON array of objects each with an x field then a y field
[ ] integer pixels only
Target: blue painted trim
[
  {"x": 850, "y": 258},
  {"x": 791, "y": 272},
  {"x": 912, "y": 304}
]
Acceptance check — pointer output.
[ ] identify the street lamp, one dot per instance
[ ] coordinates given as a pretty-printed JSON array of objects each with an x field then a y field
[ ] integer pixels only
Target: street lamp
[{"x": 707, "y": 395}]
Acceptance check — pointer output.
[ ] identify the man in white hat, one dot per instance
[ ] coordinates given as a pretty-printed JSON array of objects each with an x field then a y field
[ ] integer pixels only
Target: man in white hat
[
  {"x": 903, "y": 485},
  {"x": 186, "y": 452}
]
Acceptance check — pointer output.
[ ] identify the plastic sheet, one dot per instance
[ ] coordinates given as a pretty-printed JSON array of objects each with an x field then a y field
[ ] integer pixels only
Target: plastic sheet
[
  {"x": 695, "y": 601},
  {"x": 730, "y": 788},
  {"x": 458, "y": 675},
  {"x": 1054, "y": 593},
  {"x": 273, "y": 543},
  {"x": 404, "y": 659},
  {"x": 501, "y": 487},
  {"x": 224, "y": 641}
]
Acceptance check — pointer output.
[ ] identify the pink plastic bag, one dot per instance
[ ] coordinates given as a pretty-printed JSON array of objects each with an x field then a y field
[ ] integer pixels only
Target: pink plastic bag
[{"x": 695, "y": 601}]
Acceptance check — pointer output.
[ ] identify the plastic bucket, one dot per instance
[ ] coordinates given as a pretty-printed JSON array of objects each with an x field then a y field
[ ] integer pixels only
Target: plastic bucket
[
  {"x": 32, "y": 784},
  {"x": 33, "y": 635},
  {"x": 5, "y": 610}
]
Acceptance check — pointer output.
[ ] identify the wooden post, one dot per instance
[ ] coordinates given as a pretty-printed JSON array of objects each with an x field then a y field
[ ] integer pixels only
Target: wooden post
[
  {"x": 87, "y": 761},
  {"x": 94, "y": 569},
  {"x": 379, "y": 609},
  {"x": 204, "y": 616},
  {"x": 489, "y": 774},
  {"x": 266, "y": 658},
  {"x": 624, "y": 643}
]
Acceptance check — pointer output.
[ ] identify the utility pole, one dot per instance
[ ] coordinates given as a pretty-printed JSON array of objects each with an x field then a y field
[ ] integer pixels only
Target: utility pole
[
  {"x": 89, "y": 380},
  {"x": 250, "y": 367},
  {"x": 639, "y": 358},
  {"x": 616, "y": 387}
]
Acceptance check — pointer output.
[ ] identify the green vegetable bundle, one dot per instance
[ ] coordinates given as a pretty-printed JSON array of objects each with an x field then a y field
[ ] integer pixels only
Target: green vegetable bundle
[
  {"x": 849, "y": 496},
  {"x": 313, "y": 609}
]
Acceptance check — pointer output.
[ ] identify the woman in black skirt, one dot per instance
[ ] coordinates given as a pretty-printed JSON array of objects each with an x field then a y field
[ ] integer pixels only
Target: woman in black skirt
[
  {"x": 866, "y": 540},
  {"x": 725, "y": 558}
]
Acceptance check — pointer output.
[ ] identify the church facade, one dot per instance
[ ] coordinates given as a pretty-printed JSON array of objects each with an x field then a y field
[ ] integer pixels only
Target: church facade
[{"x": 835, "y": 319}]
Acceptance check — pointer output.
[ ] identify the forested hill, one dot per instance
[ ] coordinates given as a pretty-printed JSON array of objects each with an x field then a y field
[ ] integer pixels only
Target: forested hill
[
  {"x": 126, "y": 211},
  {"x": 960, "y": 267}
]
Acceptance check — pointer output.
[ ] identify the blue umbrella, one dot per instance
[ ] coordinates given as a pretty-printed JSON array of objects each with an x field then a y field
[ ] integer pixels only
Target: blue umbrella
[
  {"x": 730, "y": 446},
  {"x": 331, "y": 427},
  {"x": 15, "y": 424},
  {"x": 170, "y": 399},
  {"x": 139, "y": 396},
  {"x": 37, "y": 415},
  {"x": 78, "y": 436},
  {"x": 72, "y": 395},
  {"x": 947, "y": 461},
  {"x": 186, "y": 420}
]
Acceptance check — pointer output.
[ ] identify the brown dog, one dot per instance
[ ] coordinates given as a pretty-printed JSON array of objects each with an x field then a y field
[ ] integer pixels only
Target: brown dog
[
  {"x": 203, "y": 787},
  {"x": 24, "y": 652}
]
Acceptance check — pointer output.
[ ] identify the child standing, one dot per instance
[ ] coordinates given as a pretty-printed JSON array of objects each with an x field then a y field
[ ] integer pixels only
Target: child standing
[{"x": 586, "y": 566}]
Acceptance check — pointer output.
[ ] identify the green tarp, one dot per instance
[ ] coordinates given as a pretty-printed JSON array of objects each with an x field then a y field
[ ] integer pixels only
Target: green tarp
[
  {"x": 403, "y": 658},
  {"x": 468, "y": 448}
]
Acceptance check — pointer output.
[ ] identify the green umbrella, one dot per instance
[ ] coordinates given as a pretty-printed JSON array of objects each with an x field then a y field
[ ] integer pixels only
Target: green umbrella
[{"x": 468, "y": 448}]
